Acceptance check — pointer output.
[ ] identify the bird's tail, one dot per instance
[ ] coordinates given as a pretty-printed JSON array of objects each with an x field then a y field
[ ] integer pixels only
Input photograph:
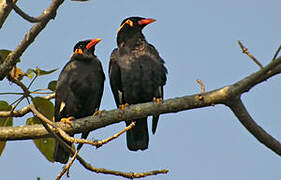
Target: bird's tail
[
  {"x": 154, "y": 123},
  {"x": 61, "y": 155},
  {"x": 137, "y": 137}
]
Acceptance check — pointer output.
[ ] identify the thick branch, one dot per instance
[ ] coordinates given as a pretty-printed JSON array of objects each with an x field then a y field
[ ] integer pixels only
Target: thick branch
[
  {"x": 219, "y": 96},
  {"x": 11, "y": 59},
  {"x": 5, "y": 10},
  {"x": 240, "y": 111}
]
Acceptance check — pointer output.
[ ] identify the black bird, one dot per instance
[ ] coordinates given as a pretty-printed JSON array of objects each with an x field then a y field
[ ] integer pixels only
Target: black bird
[
  {"x": 137, "y": 75},
  {"x": 79, "y": 89}
]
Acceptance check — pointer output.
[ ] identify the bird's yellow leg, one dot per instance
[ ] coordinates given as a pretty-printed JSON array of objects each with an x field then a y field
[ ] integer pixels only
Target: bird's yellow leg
[{"x": 67, "y": 120}]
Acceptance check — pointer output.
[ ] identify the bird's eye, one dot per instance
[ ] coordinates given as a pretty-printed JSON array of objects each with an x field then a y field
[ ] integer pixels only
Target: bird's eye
[{"x": 130, "y": 23}]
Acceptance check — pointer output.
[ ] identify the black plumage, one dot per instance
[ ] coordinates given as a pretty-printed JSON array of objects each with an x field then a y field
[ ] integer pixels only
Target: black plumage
[
  {"x": 79, "y": 89},
  {"x": 137, "y": 75}
]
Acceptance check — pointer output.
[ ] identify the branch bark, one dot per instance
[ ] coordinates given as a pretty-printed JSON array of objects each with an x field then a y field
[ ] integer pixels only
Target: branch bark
[
  {"x": 5, "y": 10},
  {"x": 224, "y": 95},
  {"x": 240, "y": 111},
  {"x": 23, "y": 14},
  {"x": 10, "y": 60}
]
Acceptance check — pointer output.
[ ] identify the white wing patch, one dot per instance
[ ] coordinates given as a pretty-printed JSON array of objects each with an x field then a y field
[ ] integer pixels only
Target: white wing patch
[
  {"x": 120, "y": 95},
  {"x": 62, "y": 106}
]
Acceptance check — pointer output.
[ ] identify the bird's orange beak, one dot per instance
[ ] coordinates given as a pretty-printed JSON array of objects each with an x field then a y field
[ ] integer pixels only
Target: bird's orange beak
[
  {"x": 129, "y": 22},
  {"x": 92, "y": 43},
  {"x": 144, "y": 22}
]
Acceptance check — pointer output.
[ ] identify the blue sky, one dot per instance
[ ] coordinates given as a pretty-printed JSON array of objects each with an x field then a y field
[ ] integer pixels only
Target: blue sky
[{"x": 198, "y": 40}]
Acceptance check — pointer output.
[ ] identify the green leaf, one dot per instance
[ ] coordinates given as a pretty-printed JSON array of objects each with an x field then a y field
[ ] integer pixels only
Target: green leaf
[
  {"x": 45, "y": 145},
  {"x": 41, "y": 72},
  {"x": 44, "y": 106},
  {"x": 29, "y": 73},
  {"x": 8, "y": 121},
  {"x": 52, "y": 85},
  {"x": 4, "y": 53}
]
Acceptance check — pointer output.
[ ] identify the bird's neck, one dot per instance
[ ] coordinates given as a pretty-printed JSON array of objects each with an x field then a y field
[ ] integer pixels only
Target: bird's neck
[{"x": 131, "y": 40}]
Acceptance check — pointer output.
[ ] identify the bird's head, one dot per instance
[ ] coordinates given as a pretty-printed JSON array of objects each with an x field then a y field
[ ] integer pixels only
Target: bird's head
[
  {"x": 86, "y": 47},
  {"x": 132, "y": 26}
]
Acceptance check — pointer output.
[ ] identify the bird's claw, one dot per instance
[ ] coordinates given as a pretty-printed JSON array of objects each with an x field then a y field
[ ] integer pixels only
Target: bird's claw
[
  {"x": 67, "y": 120},
  {"x": 98, "y": 112},
  {"x": 123, "y": 106},
  {"x": 158, "y": 100}
]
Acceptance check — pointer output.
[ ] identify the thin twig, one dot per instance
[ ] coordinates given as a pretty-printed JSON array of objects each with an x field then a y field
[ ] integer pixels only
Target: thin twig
[
  {"x": 276, "y": 53},
  {"x": 24, "y": 15},
  {"x": 102, "y": 142},
  {"x": 245, "y": 51},
  {"x": 21, "y": 85},
  {"x": 66, "y": 168},
  {"x": 201, "y": 85},
  {"x": 8, "y": 93},
  {"x": 129, "y": 175},
  {"x": 34, "y": 92},
  {"x": 24, "y": 110},
  {"x": 96, "y": 143}
]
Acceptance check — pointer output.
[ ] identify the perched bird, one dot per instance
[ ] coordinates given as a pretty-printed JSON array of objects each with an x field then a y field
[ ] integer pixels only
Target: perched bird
[
  {"x": 137, "y": 75},
  {"x": 79, "y": 89}
]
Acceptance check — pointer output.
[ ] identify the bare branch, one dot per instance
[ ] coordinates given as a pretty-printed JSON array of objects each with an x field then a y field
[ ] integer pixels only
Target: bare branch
[
  {"x": 11, "y": 59},
  {"x": 20, "y": 84},
  {"x": 245, "y": 51},
  {"x": 129, "y": 175},
  {"x": 95, "y": 143},
  {"x": 105, "y": 141},
  {"x": 24, "y": 15},
  {"x": 201, "y": 85},
  {"x": 66, "y": 168},
  {"x": 5, "y": 11},
  {"x": 240, "y": 111},
  {"x": 218, "y": 96},
  {"x": 276, "y": 53}
]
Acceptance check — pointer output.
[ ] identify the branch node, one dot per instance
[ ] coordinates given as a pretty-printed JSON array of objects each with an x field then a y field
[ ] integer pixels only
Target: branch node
[{"x": 245, "y": 51}]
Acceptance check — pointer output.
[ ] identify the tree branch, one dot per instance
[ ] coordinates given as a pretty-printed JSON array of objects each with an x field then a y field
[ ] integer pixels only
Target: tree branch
[
  {"x": 11, "y": 59},
  {"x": 24, "y": 15},
  {"x": 245, "y": 51},
  {"x": 218, "y": 96},
  {"x": 23, "y": 111},
  {"x": 5, "y": 10},
  {"x": 240, "y": 111}
]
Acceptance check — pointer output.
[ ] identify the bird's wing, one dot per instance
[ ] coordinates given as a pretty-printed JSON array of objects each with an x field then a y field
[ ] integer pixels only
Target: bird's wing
[
  {"x": 115, "y": 78},
  {"x": 163, "y": 78},
  {"x": 64, "y": 93}
]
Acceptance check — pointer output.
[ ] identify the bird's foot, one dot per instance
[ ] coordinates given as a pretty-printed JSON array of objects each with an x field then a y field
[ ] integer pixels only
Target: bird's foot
[
  {"x": 66, "y": 120},
  {"x": 98, "y": 112},
  {"x": 158, "y": 100},
  {"x": 123, "y": 106}
]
